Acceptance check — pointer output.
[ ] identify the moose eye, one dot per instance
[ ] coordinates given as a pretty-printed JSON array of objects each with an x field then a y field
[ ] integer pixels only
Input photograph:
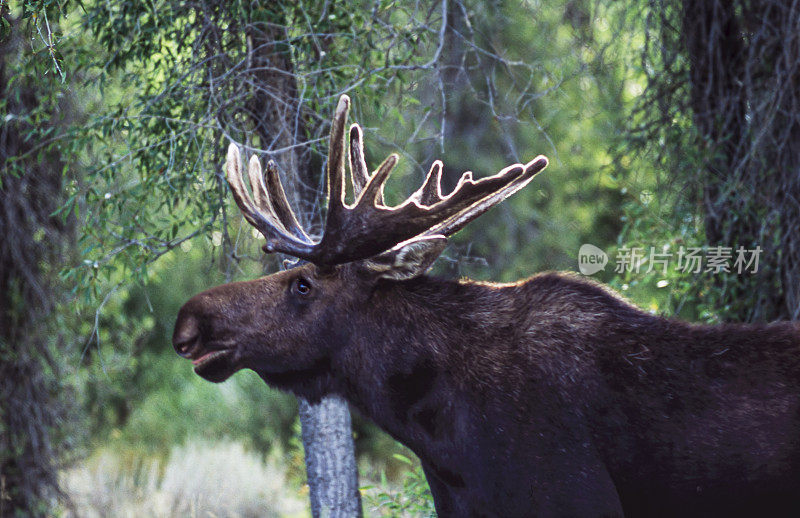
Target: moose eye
[{"x": 302, "y": 286}]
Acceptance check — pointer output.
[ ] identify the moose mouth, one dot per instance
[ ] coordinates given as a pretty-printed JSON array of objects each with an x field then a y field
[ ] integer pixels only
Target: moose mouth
[{"x": 215, "y": 366}]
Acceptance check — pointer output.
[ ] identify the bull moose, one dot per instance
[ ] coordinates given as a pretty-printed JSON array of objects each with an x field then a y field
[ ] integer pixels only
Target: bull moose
[{"x": 551, "y": 396}]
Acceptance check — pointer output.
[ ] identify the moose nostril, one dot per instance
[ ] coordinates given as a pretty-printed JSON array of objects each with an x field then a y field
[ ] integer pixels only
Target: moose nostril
[
  {"x": 184, "y": 349},
  {"x": 186, "y": 335}
]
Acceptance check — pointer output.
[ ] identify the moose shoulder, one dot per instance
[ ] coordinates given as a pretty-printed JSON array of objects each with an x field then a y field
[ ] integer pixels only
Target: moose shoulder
[{"x": 547, "y": 397}]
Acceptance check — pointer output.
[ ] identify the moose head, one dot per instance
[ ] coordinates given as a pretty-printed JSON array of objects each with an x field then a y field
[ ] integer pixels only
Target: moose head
[{"x": 288, "y": 325}]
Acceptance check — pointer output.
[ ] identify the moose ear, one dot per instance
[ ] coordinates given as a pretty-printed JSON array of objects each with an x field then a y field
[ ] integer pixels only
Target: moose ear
[{"x": 407, "y": 260}]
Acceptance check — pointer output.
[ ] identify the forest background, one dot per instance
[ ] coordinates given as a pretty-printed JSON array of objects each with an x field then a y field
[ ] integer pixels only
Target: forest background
[{"x": 671, "y": 126}]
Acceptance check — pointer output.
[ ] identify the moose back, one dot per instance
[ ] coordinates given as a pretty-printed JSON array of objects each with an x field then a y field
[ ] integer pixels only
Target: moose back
[{"x": 552, "y": 396}]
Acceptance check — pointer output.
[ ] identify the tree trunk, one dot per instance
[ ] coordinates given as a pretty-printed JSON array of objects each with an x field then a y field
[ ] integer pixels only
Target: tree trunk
[
  {"x": 744, "y": 79},
  {"x": 330, "y": 458},
  {"x": 33, "y": 405}
]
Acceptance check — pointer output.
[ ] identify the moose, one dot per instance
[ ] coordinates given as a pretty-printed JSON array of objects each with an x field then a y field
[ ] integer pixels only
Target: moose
[{"x": 551, "y": 396}]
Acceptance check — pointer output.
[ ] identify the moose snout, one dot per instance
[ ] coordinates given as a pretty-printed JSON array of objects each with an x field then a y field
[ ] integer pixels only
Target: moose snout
[{"x": 186, "y": 334}]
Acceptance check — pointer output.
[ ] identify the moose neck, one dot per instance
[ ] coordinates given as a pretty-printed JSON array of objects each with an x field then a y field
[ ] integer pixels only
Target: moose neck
[{"x": 412, "y": 354}]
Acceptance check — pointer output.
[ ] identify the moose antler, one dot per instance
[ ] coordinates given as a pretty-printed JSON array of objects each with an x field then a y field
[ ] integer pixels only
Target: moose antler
[{"x": 367, "y": 227}]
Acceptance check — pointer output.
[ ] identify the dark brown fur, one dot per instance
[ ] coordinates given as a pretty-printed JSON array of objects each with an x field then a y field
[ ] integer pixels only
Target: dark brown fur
[{"x": 552, "y": 396}]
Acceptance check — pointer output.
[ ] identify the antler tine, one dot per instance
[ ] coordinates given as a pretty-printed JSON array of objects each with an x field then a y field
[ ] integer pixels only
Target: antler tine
[
  {"x": 359, "y": 174},
  {"x": 278, "y": 240},
  {"x": 336, "y": 158},
  {"x": 372, "y": 195},
  {"x": 431, "y": 190},
  {"x": 260, "y": 195},
  {"x": 276, "y": 207},
  {"x": 233, "y": 169},
  {"x": 280, "y": 204}
]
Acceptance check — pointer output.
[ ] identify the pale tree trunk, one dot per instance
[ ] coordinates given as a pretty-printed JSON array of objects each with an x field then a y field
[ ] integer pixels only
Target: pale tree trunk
[{"x": 330, "y": 458}]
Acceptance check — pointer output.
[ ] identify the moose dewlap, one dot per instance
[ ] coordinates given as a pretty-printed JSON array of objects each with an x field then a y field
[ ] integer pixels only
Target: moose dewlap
[{"x": 552, "y": 396}]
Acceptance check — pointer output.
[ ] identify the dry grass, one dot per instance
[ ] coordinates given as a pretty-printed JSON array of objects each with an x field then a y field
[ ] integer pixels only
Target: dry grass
[{"x": 199, "y": 479}]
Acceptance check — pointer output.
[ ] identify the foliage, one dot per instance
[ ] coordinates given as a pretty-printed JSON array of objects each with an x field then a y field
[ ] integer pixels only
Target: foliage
[
  {"x": 714, "y": 121},
  {"x": 411, "y": 498},
  {"x": 176, "y": 86},
  {"x": 198, "y": 478},
  {"x": 40, "y": 19},
  {"x": 199, "y": 91}
]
